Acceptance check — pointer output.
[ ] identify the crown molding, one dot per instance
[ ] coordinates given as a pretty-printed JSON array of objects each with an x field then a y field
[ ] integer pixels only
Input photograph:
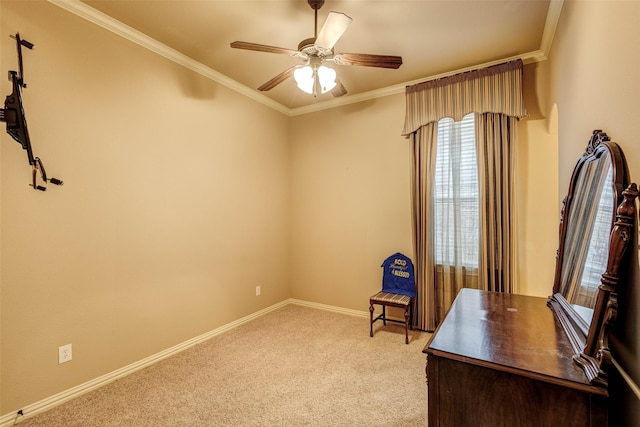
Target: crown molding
[
  {"x": 553, "y": 16},
  {"x": 90, "y": 14}
]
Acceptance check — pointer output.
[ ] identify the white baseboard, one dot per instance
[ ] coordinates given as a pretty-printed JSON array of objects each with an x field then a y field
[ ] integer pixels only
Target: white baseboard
[
  {"x": 329, "y": 307},
  {"x": 33, "y": 409}
]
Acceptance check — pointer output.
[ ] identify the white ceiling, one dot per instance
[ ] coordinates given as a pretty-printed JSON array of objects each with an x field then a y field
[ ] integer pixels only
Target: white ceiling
[{"x": 434, "y": 37}]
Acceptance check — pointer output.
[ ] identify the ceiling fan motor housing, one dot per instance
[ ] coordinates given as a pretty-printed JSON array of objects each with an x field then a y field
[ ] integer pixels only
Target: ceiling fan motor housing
[
  {"x": 315, "y": 4},
  {"x": 309, "y": 48},
  {"x": 306, "y": 43}
]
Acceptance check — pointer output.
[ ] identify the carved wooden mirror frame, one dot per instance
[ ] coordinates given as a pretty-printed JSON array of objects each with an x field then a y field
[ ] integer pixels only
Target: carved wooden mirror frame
[{"x": 590, "y": 340}]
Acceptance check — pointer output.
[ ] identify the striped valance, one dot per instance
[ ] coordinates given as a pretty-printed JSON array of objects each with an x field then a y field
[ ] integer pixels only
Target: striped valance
[{"x": 496, "y": 89}]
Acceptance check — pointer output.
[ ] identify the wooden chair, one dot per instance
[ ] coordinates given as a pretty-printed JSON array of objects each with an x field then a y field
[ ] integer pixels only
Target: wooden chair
[{"x": 398, "y": 290}]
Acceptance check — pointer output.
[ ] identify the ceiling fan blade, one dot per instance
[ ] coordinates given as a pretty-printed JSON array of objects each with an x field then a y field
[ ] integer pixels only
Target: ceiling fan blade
[
  {"x": 333, "y": 28},
  {"x": 278, "y": 79},
  {"x": 262, "y": 48},
  {"x": 367, "y": 60},
  {"x": 339, "y": 90}
]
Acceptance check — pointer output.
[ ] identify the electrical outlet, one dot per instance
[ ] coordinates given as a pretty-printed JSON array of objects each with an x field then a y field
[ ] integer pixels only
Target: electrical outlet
[
  {"x": 65, "y": 354},
  {"x": 258, "y": 290}
]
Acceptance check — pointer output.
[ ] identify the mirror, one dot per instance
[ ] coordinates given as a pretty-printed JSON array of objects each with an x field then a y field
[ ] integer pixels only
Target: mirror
[
  {"x": 586, "y": 243},
  {"x": 595, "y": 228}
]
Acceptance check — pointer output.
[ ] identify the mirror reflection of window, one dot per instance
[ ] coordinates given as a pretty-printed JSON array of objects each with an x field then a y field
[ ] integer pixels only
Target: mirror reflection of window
[{"x": 598, "y": 252}]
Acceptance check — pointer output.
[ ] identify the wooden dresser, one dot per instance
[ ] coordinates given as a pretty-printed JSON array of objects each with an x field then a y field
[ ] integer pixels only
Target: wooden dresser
[{"x": 503, "y": 360}]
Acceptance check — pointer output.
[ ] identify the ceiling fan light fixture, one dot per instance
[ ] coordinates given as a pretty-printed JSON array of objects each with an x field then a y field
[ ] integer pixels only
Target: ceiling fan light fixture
[
  {"x": 304, "y": 79},
  {"x": 327, "y": 78}
]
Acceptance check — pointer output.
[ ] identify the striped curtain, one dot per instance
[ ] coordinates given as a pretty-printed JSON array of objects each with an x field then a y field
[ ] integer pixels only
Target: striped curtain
[
  {"x": 496, "y": 90},
  {"x": 497, "y": 156},
  {"x": 423, "y": 142}
]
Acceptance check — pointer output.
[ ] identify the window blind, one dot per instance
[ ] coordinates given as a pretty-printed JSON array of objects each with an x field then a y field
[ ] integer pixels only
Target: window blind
[{"x": 456, "y": 205}]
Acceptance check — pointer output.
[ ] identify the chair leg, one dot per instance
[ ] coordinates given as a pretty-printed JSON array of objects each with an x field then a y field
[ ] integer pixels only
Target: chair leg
[
  {"x": 371, "y": 319},
  {"x": 406, "y": 325},
  {"x": 411, "y": 316},
  {"x": 384, "y": 315}
]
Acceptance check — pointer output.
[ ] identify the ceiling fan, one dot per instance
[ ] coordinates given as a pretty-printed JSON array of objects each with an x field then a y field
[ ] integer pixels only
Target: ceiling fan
[{"x": 313, "y": 76}]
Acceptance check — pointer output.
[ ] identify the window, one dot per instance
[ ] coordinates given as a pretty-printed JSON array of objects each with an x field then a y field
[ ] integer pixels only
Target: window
[{"x": 455, "y": 193}]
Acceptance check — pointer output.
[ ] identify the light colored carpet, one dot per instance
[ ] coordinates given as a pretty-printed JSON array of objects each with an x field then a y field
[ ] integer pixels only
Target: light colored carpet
[{"x": 296, "y": 366}]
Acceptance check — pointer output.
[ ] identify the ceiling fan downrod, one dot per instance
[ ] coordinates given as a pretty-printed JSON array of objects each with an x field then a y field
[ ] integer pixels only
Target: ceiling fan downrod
[{"x": 315, "y": 5}]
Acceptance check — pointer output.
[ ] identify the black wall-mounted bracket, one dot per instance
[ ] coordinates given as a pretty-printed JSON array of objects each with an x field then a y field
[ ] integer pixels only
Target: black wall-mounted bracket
[{"x": 13, "y": 115}]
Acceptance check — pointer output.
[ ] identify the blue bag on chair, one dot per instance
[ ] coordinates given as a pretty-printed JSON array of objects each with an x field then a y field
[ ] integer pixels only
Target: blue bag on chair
[{"x": 397, "y": 276}]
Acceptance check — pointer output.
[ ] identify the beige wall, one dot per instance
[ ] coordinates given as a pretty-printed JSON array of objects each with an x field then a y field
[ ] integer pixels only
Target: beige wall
[
  {"x": 351, "y": 195},
  {"x": 351, "y": 200},
  {"x": 538, "y": 208},
  {"x": 594, "y": 66},
  {"x": 181, "y": 196},
  {"x": 175, "y": 205}
]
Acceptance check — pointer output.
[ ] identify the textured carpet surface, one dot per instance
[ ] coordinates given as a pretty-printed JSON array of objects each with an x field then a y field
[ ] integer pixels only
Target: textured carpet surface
[{"x": 296, "y": 366}]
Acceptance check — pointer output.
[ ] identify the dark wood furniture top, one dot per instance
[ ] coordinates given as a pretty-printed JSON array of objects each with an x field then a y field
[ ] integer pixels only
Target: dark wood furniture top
[
  {"x": 510, "y": 333},
  {"x": 503, "y": 360}
]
